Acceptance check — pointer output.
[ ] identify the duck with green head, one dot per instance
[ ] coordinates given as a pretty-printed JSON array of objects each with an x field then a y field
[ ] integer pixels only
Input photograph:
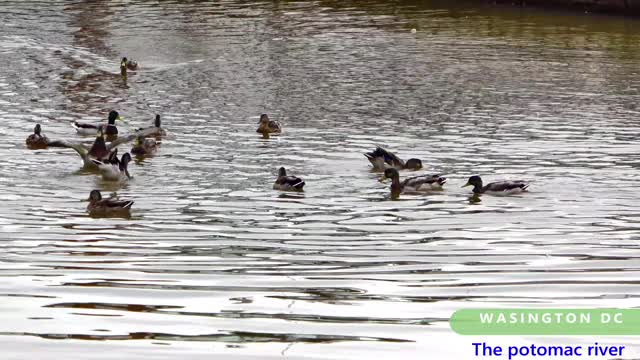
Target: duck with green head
[
  {"x": 158, "y": 130},
  {"x": 507, "y": 187},
  {"x": 413, "y": 184},
  {"x": 37, "y": 140},
  {"x": 109, "y": 129},
  {"x": 114, "y": 169},
  {"x": 98, "y": 205},
  {"x": 382, "y": 159}
]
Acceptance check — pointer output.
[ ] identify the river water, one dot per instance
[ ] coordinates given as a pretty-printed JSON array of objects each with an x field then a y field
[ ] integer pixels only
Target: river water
[{"x": 213, "y": 262}]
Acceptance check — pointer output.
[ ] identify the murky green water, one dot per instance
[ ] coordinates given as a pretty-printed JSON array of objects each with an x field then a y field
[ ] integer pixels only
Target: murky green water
[{"x": 213, "y": 262}]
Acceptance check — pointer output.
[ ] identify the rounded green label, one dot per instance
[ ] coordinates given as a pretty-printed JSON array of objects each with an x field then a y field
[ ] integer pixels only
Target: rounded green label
[{"x": 546, "y": 322}]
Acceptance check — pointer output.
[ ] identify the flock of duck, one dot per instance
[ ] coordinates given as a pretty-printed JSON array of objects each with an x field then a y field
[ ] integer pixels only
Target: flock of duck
[{"x": 102, "y": 156}]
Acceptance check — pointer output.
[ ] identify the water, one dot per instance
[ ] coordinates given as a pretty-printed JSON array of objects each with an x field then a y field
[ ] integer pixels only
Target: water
[{"x": 214, "y": 262}]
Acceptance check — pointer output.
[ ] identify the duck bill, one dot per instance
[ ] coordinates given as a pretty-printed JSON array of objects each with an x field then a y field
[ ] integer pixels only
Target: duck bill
[{"x": 467, "y": 184}]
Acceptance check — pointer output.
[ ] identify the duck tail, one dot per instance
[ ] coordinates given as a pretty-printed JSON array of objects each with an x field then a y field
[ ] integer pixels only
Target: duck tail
[
  {"x": 442, "y": 180},
  {"x": 524, "y": 187},
  {"x": 299, "y": 185},
  {"x": 128, "y": 204}
]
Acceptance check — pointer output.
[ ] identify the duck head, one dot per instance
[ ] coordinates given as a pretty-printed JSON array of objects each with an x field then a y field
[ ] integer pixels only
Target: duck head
[
  {"x": 123, "y": 67},
  {"x": 413, "y": 164},
  {"x": 263, "y": 126},
  {"x": 474, "y": 181},
  {"x": 282, "y": 172},
  {"x": 95, "y": 196},
  {"x": 157, "y": 121},
  {"x": 396, "y": 188},
  {"x": 37, "y": 129},
  {"x": 113, "y": 116},
  {"x": 390, "y": 174}
]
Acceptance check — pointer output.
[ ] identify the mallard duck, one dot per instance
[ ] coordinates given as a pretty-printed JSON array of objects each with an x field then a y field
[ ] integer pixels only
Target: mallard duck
[
  {"x": 142, "y": 146},
  {"x": 382, "y": 159},
  {"x": 99, "y": 150},
  {"x": 99, "y": 205},
  {"x": 37, "y": 140},
  {"x": 157, "y": 127},
  {"x": 114, "y": 169},
  {"x": 498, "y": 187},
  {"x": 412, "y": 184},
  {"x": 287, "y": 183},
  {"x": 92, "y": 128},
  {"x": 126, "y": 64},
  {"x": 131, "y": 64},
  {"x": 267, "y": 126}
]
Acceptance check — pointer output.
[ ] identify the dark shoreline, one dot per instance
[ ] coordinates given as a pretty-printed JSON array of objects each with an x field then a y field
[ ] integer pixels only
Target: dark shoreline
[{"x": 619, "y": 7}]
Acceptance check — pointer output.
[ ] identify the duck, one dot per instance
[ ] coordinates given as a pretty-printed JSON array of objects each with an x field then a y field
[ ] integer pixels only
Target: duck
[
  {"x": 142, "y": 146},
  {"x": 159, "y": 131},
  {"x": 506, "y": 187},
  {"x": 126, "y": 64},
  {"x": 287, "y": 183},
  {"x": 92, "y": 128},
  {"x": 267, "y": 126},
  {"x": 413, "y": 184},
  {"x": 131, "y": 64},
  {"x": 37, "y": 140},
  {"x": 114, "y": 169},
  {"x": 99, "y": 205},
  {"x": 99, "y": 150},
  {"x": 382, "y": 159}
]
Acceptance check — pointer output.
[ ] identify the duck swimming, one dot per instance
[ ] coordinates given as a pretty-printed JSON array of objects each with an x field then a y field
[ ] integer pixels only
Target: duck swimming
[
  {"x": 99, "y": 205},
  {"x": 157, "y": 126},
  {"x": 114, "y": 169},
  {"x": 37, "y": 140},
  {"x": 508, "y": 187},
  {"x": 413, "y": 184},
  {"x": 382, "y": 159},
  {"x": 287, "y": 183},
  {"x": 131, "y": 64},
  {"x": 99, "y": 150},
  {"x": 144, "y": 147},
  {"x": 126, "y": 64},
  {"x": 92, "y": 128},
  {"x": 267, "y": 126}
]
